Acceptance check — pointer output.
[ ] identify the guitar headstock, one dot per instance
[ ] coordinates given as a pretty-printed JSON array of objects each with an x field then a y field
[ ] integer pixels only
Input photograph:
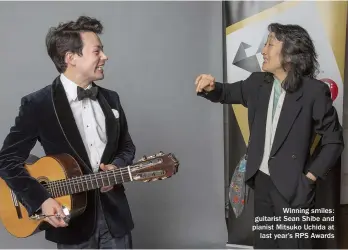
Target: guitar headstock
[{"x": 155, "y": 167}]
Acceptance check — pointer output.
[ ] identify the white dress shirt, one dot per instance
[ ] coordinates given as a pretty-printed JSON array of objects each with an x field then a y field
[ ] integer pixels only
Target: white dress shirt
[
  {"x": 90, "y": 121},
  {"x": 271, "y": 128}
]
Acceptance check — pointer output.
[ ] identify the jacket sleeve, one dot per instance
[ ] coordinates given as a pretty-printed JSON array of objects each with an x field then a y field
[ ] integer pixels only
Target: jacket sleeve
[
  {"x": 327, "y": 125},
  {"x": 126, "y": 148},
  {"x": 16, "y": 149},
  {"x": 232, "y": 93}
]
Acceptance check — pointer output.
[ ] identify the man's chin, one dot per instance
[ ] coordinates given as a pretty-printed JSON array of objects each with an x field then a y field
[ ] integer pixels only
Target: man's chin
[{"x": 98, "y": 78}]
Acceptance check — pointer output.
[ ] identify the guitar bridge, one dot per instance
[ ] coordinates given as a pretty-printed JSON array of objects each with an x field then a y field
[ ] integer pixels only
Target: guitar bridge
[
  {"x": 38, "y": 217},
  {"x": 43, "y": 216}
]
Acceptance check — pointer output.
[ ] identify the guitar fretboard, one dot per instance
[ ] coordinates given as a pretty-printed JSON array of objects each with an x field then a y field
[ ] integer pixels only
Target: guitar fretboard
[{"x": 89, "y": 182}]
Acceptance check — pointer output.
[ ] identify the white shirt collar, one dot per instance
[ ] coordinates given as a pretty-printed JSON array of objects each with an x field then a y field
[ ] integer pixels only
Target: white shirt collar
[{"x": 70, "y": 88}]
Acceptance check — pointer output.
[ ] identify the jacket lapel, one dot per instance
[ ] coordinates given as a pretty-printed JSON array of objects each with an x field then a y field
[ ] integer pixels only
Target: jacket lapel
[
  {"x": 290, "y": 110},
  {"x": 259, "y": 124},
  {"x": 112, "y": 129},
  {"x": 67, "y": 122}
]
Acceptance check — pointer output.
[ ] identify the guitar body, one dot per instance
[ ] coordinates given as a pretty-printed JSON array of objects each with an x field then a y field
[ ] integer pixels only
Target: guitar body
[
  {"x": 63, "y": 179},
  {"x": 15, "y": 217}
]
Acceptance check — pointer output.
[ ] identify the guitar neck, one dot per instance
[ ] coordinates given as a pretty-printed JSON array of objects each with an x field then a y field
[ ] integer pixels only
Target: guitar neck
[{"x": 89, "y": 182}]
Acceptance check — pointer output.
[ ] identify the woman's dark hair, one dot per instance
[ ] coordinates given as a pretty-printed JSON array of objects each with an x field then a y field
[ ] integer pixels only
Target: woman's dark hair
[
  {"x": 299, "y": 58},
  {"x": 66, "y": 38}
]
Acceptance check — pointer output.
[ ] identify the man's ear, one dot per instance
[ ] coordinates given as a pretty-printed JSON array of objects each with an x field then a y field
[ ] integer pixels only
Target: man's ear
[{"x": 70, "y": 58}]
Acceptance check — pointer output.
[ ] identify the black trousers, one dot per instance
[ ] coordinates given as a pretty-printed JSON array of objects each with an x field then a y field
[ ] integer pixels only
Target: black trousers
[
  {"x": 102, "y": 239},
  {"x": 276, "y": 223}
]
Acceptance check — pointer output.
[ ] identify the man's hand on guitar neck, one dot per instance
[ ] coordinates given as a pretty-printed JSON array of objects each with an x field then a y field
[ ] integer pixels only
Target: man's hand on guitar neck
[
  {"x": 54, "y": 212},
  {"x": 105, "y": 168}
]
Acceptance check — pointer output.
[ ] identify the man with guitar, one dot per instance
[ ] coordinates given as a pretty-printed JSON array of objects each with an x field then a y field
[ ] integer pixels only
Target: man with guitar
[{"x": 74, "y": 116}]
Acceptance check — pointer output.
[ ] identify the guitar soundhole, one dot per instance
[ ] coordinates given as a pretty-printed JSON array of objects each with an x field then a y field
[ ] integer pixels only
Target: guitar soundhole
[{"x": 44, "y": 182}]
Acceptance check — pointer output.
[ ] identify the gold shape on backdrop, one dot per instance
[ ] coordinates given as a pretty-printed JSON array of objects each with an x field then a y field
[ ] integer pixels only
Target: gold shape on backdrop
[{"x": 334, "y": 16}]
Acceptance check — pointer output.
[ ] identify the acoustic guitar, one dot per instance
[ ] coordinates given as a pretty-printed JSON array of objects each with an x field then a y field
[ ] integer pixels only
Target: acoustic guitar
[{"x": 63, "y": 179}]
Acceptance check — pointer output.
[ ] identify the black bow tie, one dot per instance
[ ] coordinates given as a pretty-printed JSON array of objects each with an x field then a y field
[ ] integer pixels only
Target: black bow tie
[{"x": 87, "y": 93}]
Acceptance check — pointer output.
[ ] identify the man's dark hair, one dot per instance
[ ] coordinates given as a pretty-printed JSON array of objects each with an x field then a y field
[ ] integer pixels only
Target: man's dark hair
[
  {"x": 66, "y": 38},
  {"x": 299, "y": 58}
]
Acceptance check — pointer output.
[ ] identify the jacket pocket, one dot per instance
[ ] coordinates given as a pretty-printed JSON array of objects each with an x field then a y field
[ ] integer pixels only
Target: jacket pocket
[{"x": 305, "y": 192}]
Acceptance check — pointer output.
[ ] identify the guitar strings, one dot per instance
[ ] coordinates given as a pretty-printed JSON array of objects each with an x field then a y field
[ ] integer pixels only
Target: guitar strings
[
  {"x": 59, "y": 187},
  {"x": 96, "y": 176},
  {"x": 77, "y": 179}
]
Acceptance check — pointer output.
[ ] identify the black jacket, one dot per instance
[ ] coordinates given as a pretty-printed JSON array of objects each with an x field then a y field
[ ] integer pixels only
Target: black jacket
[
  {"x": 306, "y": 112},
  {"x": 46, "y": 116}
]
